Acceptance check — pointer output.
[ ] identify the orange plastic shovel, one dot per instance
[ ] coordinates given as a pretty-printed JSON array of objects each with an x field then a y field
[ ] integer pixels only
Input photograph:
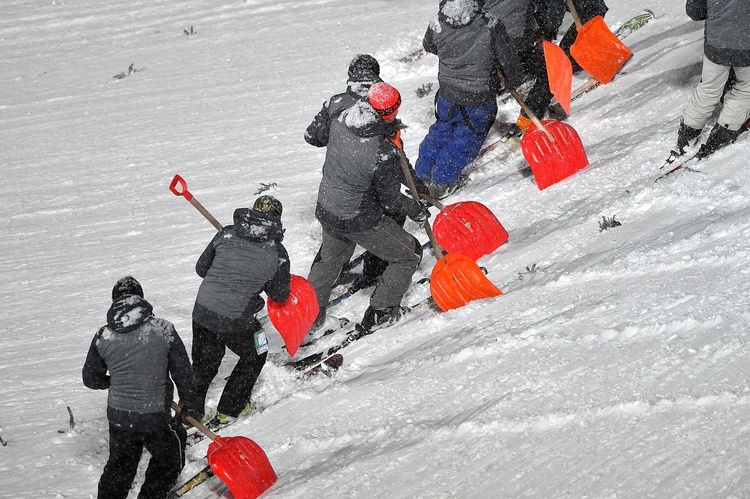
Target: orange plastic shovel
[
  {"x": 559, "y": 73},
  {"x": 237, "y": 461},
  {"x": 599, "y": 52},
  {"x": 456, "y": 279}
]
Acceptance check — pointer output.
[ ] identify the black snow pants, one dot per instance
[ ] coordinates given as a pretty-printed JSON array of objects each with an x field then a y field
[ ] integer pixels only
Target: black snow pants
[
  {"x": 167, "y": 448},
  {"x": 208, "y": 350}
]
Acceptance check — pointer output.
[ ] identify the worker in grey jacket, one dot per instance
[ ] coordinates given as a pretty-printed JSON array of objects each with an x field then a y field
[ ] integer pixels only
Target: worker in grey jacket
[
  {"x": 360, "y": 184},
  {"x": 241, "y": 261},
  {"x": 726, "y": 47},
  {"x": 471, "y": 45},
  {"x": 134, "y": 356}
]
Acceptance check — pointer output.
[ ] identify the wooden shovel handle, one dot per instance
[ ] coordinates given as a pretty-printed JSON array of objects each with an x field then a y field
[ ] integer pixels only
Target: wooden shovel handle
[
  {"x": 178, "y": 186},
  {"x": 531, "y": 114},
  {"x": 176, "y": 408},
  {"x": 413, "y": 188},
  {"x": 574, "y": 13}
]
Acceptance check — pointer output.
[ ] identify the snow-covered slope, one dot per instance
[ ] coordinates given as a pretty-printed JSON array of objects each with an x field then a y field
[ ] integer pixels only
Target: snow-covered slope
[{"x": 618, "y": 368}]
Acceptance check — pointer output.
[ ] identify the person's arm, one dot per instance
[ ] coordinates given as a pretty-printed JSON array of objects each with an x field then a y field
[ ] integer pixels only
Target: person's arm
[
  {"x": 94, "y": 371},
  {"x": 278, "y": 288},
  {"x": 387, "y": 183},
  {"x": 317, "y": 132},
  {"x": 697, "y": 9},
  {"x": 428, "y": 42},
  {"x": 207, "y": 257},
  {"x": 506, "y": 54}
]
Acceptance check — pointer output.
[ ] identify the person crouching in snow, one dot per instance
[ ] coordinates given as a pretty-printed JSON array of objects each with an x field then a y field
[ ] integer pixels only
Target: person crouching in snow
[
  {"x": 361, "y": 183},
  {"x": 143, "y": 354},
  {"x": 241, "y": 261},
  {"x": 471, "y": 46}
]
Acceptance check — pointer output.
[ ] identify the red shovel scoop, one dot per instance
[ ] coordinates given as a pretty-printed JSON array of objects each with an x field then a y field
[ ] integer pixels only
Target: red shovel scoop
[{"x": 238, "y": 461}]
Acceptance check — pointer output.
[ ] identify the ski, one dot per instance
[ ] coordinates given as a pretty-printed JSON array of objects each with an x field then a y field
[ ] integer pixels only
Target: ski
[
  {"x": 196, "y": 480},
  {"x": 311, "y": 362},
  {"x": 413, "y": 57}
]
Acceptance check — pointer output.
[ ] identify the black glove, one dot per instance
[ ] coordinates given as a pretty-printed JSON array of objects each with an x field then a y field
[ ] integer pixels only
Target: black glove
[
  {"x": 421, "y": 217},
  {"x": 188, "y": 411}
]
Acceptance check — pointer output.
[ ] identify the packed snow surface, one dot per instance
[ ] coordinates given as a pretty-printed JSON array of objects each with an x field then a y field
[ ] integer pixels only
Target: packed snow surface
[{"x": 615, "y": 364}]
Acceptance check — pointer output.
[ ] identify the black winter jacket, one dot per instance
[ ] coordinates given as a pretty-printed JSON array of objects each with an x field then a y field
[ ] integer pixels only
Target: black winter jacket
[
  {"x": 471, "y": 45},
  {"x": 727, "y": 37},
  {"x": 362, "y": 172},
  {"x": 140, "y": 352},
  {"x": 239, "y": 263}
]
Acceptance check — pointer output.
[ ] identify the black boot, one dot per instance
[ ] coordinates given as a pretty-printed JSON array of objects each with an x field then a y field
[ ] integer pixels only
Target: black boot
[
  {"x": 718, "y": 138},
  {"x": 686, "y": 135},
  {"x": 375, "y": 317}
]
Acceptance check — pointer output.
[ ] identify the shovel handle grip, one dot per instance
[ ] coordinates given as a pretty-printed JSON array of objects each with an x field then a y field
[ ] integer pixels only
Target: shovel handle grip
[
  {"x": 176, "y": 408},
  {"x": 178, "y": 186},
  {"x": 531, "y": 114},
  {"x": 179, "y": 181}
]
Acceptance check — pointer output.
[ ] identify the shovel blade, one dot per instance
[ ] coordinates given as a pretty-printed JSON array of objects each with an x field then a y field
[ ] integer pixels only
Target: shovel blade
[
  {"x": 242, "y": 465},
  {"x": 294, "y": 317},
  {"x": 469, "y": 228},
  {"x": 599, "y": 52},
  {"x": 559, "y": 73},
  {"x": 553, "y": 161},
  {"x": 456, "y": 280}
]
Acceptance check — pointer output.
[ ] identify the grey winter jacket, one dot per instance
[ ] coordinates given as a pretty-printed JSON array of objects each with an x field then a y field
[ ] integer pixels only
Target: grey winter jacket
[
  {"x": 140, "y": 352},
  {"x": 362, "y": 172},
  {"x": 471, "y": 45},
  {"x": 356, "y": 90},
  {"x": 727, "y": 36},
  {"x": 239, "y": 263}
]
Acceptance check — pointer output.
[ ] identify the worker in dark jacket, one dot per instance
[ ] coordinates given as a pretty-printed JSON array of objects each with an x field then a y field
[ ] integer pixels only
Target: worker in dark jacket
[
  {"x": 136, "y": 356},
  {"x": 360, "y": 184},
  {"x": 242, "y": 261},
  {"x": 471, "y": 45},
  {"x": 726, "y": 47}
]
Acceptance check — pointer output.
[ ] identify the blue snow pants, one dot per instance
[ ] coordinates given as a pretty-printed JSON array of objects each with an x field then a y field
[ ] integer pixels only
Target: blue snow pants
[{"x": 454, "y": 140}]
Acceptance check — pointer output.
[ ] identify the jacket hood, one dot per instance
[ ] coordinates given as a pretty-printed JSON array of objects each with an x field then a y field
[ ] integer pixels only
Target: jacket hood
[
  {"x": 359, "y": 84},
  {"x": 127, "y": 313},
  {"x": 254, "y": 225},
  {"x": 362, "y": 120},
  {"x": 459, "y": 13}
]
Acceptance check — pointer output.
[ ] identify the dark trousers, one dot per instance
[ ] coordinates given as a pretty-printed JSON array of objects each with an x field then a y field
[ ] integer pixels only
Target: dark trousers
[
  {"x": 208, "y": 351},
  {"x": 167, "y": 448},
  {"x": 533, "y": 63}
]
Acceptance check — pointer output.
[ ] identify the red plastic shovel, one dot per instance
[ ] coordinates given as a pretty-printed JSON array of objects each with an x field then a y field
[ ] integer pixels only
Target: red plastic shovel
[
  {"x": 467, "y": 228},
  {"x": 237, "y": 461},
  {"x": 553, "y": 148},
  {"x": 294, "y": 317},
  {"x": 456, "y": 279}
]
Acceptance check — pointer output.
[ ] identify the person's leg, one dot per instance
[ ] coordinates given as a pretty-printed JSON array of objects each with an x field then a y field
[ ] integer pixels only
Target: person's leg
[
  {"x": 167, "y": 451},
  {"x": 736, "y": 108},
  {"x": 706, "y": 95},
  {"x": 125, "y": 448},
  {"x": 207, "y": 353},
  {"x": 438, "y": 136},
  {"x": 399, "y": 248},
  {"x": 468, "y": 136},
  {"x": 240, "y": 383},
  {"x": 373, "y": 267},
  {"x": 334, "y": 252},
  {"x": 539, "y": 96}
]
